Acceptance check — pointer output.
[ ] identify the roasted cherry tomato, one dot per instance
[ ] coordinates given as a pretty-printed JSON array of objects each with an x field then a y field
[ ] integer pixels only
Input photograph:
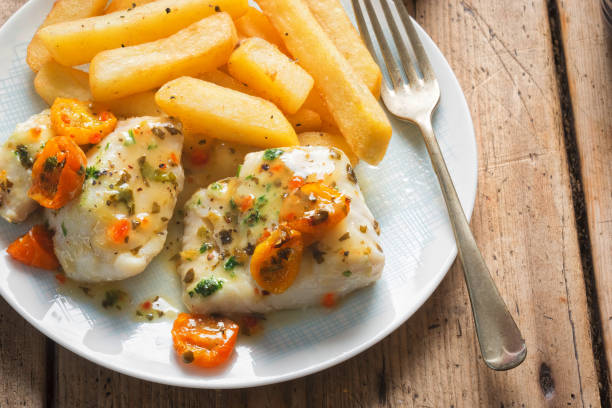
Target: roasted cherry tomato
[
  {"x": 204, "y": 340},
  {"x": 35, "y": 249},
  {"x": 276, "y": 260},
  {"x": 75, "y": 119},
  {"x": 314, "y": 208},
  {"x": 58, "y": 173}
]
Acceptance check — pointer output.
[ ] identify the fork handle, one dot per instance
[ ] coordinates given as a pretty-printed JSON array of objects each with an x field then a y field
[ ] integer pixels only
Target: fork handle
[{"x": 501, "y": 343}]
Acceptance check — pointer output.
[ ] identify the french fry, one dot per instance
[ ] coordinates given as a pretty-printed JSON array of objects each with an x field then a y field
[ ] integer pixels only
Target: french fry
[
  {"x": 314, "y": 102},
  {"x": 225, "y": 114},
  {"x": 220, "y": 78},
  {"x": 355, "y": 110},
  {"x": 329, "y": 140},
  {"x": 57, "y": 81},
  {"x": 77, "y": 42},
  {"x": 62, "y": 10},
  {"x": 202, "y": 46},
  {"x": 262, "y": 67},
  {"x": 305, "y": 120},
  {"x": 336, "y": 24},
  {"x": 124, "y": 5},
  {"x": 255, "y": 24}
]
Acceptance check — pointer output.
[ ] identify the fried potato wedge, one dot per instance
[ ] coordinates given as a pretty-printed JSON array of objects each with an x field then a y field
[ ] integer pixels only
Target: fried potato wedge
[
  {"x": 336, "y": 24},
  {"x": 255, "y": 24},
  {"x": 225, "y": 114},
  {"x": 220, "y": 78},
  {"x": 357, "y": 113},
  {"x": 305, "y": 120},
  {"x": 77, "y": 42},
  {"x": 57, "y": 81},
  {"x": 329, "y": 140},
  {"x": 124, "y": 5},
  {"x": 201, "y": 47},
  {"x": 62, "y": 10},
  {"x": 262, "y": 67}
]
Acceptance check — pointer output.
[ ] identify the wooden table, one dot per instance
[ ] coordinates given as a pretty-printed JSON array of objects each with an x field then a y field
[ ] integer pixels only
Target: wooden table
[{"x": 537, "y": 75}]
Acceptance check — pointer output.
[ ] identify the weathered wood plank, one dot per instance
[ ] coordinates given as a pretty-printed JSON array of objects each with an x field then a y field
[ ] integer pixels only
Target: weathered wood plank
[
  {"x": 587, "y": 44},
  {"x": 22, "y": 361},
  {"x": 22, "y": 348}
]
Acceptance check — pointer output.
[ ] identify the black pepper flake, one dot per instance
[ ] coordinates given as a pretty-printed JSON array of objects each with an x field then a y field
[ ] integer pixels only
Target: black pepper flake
[
  {"x": 168, "y": 10},
  {"x": 376, "y": 226},
  {"x": 158, "y": 132},
  {"x": 250, "y": 249},
  {"x": 265, "y": 292},
  {"x": 345, "y": 236},
  {"x": 363, "y": 228},
  {"x": 217, "y": 9},
  {"x": 265, "y": 167},
  {"x": 225, "y": 236}
]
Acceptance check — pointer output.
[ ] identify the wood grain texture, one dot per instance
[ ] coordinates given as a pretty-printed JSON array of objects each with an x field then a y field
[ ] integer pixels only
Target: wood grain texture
[
  {"x": 523, "y": 221},
  {"x": 588, "y": 53}
]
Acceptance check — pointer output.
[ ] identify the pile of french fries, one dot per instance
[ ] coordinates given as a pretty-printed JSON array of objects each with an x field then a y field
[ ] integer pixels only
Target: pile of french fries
[{"x": 294, "y": 73}]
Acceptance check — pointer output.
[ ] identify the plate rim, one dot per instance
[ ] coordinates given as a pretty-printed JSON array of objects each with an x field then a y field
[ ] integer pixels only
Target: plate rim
[{"x": 200, "y": 382}]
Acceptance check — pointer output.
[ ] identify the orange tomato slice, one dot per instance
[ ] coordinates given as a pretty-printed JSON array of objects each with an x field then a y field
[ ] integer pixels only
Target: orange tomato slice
[
  {"x": 118, "y": 231},
  {"x": 314, "y": 208},
  {"x": 35, "y": 249},
  {"x": 204, "y": 340},
  {"x": 276, "y": 260},
  {"x": 58, "y": 173},
  {"x": 75, "y": 119}
]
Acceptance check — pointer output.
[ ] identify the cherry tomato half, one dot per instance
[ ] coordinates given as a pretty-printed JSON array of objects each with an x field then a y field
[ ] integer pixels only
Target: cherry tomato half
[
  {"x": 58, "y": 173},
  {"x": 204, "y": 340},
  {"x": 276, "y": 260},
  {"x": 75, "y": 119},
  {"x": 35, "y": 249}
]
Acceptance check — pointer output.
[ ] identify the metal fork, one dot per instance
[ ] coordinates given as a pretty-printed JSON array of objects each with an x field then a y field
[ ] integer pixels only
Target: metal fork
[{"x": 414, "y": 98}]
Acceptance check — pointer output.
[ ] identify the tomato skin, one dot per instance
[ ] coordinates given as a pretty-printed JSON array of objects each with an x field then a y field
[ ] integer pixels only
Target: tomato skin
[
  {"x": 199, "y": 157},
  {"x": 58, "y": 173},
  {"x": 35, "y": 249},
  {"x": 314, "y": 208},
  {"x": 74, "y": 119},
  {"x": 276, "y": 260},
  {"x": 204, "y": 340}
]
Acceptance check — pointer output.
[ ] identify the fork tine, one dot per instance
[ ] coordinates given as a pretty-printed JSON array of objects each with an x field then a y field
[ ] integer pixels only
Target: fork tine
[
  {"x": 409, "y": 70},
  {"x": 417, "y": 45},
  {"x": 392, "y": 66}
]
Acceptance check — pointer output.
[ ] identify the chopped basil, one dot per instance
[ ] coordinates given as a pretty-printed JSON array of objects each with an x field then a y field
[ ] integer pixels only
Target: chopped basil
[
  {"x": 261, "y": 201},
  {"x": 207, "y": 287},
  {"x": 130, "y": 139},
  {"x": 239, "y": 169},
  {"x": 152, "y": 146},
  {"x": 231, "y": 263},
  {"x": 347, "y": 273},
  {"x": 215, "y": 186},
  {"x": 271, "y": 154},
  {"x": 111, "y": 297},
  {"x": 233, "y": 204},
  {"x": 64, "y": 230},
  {"x": 124, "y": 195},
  {"x": 205, "y": 247},
  {"x": 253, "y": 218}
]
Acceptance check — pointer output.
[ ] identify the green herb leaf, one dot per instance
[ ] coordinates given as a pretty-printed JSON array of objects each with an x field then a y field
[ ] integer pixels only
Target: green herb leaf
[
  {"x": 24, "y": 156},
  {"x": 239, "y": 169},
  {"x": 207, "y": 287},
  {"x": 64, "y": 230},
  {"x": 130, "y": 139},
  {"x": 231, "y": 263},
  {"x": 347, "y": 273},
  {"x": 215, "y": 186},
  {"x": 271, "y": 154},
  {"x": 92, "y": 172},
  {"x": 233, "y": 204},
  {"x": 150, "y": 173},
  {"x": 152, "y": 146},
  {"x": 205, "y": 247}
]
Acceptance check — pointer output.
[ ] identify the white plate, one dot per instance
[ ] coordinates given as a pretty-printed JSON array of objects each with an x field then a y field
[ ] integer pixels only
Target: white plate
[{"x": 403, "y": 194}]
